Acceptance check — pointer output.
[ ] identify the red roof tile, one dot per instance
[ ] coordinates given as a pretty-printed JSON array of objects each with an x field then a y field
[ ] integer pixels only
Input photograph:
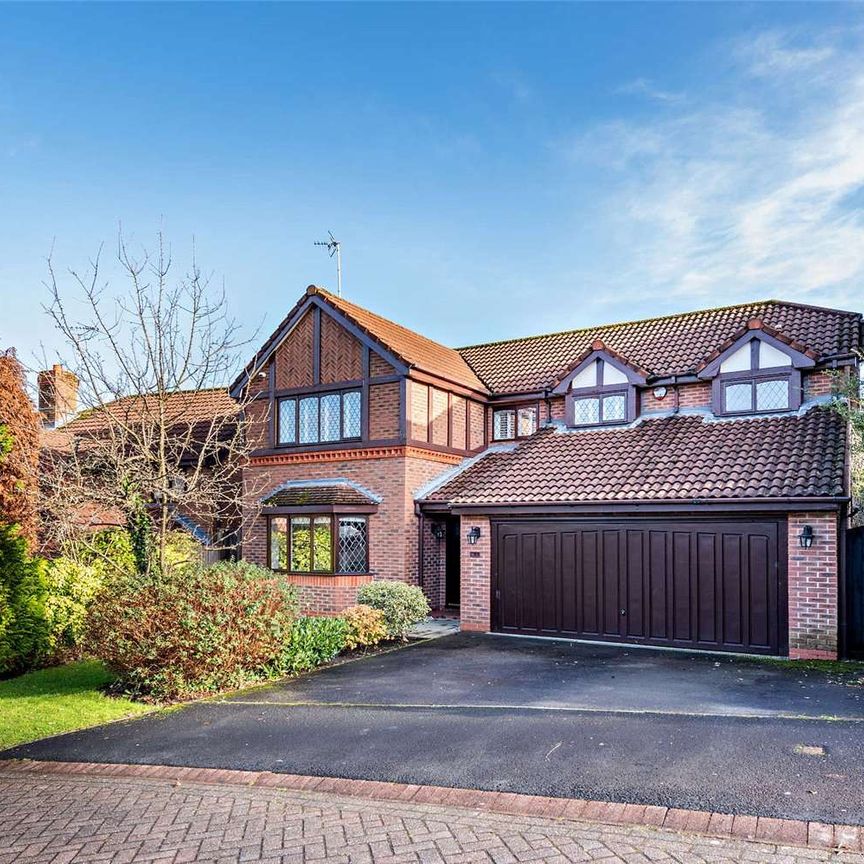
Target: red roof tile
[
  {"x": 317, "y": 495},
  {"x": 682, "y": 457},
  {"x": 672, "y": 345},
  {"x": 415, "y": 350}
]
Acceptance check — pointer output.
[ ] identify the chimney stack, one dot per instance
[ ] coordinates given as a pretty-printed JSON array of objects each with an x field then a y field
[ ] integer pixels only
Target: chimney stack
[{"x": 58, "y": 395}]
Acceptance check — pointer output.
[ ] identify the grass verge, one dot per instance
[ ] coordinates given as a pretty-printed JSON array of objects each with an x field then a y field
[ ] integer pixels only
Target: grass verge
[{"x": 60, "y": 699}]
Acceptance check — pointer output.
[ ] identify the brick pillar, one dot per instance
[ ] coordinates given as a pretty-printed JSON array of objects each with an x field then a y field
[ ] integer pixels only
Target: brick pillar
[
  {"x": 476, "y": 576},
  {"x": 813, "y": 582}
]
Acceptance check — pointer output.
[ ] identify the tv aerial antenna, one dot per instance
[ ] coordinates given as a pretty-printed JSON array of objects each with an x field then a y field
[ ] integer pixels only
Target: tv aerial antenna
[{"x": 334, "y": 247}]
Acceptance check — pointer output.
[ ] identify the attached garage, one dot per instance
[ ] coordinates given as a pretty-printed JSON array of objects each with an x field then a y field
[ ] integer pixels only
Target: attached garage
[{"x": 710, "y": 585}]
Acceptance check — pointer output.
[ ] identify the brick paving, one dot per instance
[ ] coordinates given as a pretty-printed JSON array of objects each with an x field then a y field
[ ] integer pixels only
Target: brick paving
[{"x": 64, "y": 817}]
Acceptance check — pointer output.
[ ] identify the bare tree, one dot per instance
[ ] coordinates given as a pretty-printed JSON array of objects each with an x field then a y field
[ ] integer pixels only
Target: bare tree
[
  {"x": 159, "y": 440},
  {"x": 848, "y": 401}
]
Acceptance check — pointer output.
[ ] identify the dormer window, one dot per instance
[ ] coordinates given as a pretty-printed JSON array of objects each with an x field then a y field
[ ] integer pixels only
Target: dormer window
[
  {"x": 758, "y": 374},
  {"x": 601, "y": 390}
]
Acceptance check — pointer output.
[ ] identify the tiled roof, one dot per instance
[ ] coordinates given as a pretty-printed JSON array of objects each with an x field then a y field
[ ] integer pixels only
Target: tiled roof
[
  {"x": 673, "y": 345},
  {"x": 317, "y": 495},
  {"x": 670, "y": 458},
  {"x": 416, "y": 350},
  {"x": 183, "y": 408}
]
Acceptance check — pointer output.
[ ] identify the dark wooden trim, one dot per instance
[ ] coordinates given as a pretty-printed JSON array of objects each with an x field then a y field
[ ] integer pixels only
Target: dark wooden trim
[
  {"x": 627, "y": 390},
  {"x": 322, "y": 509},
  {"x": 316, "y": 346},
  {"x": 364, "y": 396},
  {"x": 754, "y": 377},
  {"x": 404, "y": 419},
  {"x": 444, "y": 383},
  {"x": 271, "y": 389},
  {"x": 633, "y": 377},
  {"x": 334, "y": 540},
  {"x": 796, "y": 358},
  {"x": 690, "y": 507}
]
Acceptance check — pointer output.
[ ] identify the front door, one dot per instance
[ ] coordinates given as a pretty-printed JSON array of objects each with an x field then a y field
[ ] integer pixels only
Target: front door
[{"x": 452, "y": 562}]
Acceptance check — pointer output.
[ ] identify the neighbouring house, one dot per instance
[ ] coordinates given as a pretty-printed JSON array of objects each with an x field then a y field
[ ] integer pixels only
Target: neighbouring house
[
  {"x": 676, "y": 481},
  {"x": 190, "y": 416}
]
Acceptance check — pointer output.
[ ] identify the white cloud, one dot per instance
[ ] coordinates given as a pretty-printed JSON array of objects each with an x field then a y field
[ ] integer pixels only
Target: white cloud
[
  {"x": 646, "y": 87},
  {"x": 753, "y": 194}
]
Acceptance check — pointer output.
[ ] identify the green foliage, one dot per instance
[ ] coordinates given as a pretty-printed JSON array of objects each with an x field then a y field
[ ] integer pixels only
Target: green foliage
[
  {"x": 194, "y": 630},
  {"x": 25, "y": 629},
  {"x": 314, "y": 640},
  {"x": 140, "y": 531},
  {"x": 60, "y": 699},
  {"x": 6, "y": 441},
  {"x": 848, "y": 401},
  {"x": 403, "y": 605},
  {"x": 365, "y": 626},
  {"x": 71, "y": 587}
]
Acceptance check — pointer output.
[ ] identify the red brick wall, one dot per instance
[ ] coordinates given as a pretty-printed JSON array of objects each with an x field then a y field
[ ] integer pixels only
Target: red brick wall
[
  {"x": 817, "y": 384},
  {"x": 418, "y": 411},
  {"x": 476, "y": 426},
  {"x": 440, "y": 419},
  {"x": 476, "y": 564},
  {"x": 393, "y": 529},
  {"x": 384, "y": 411},
  {"x": 258, "y": 418},
  {"x": 813, "y": 584},
  {"x": 378, "y": 366},
  {"x": 696, "y": 395},
  {"x": 458, "y": 409},
  {"x": 294, "y": 356},
  {"x": 341, "y": 353},
  {"x": 434, "y": 565}
]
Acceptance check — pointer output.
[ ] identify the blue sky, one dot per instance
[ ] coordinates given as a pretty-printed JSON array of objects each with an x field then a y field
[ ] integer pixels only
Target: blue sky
[{"x": 492, "y": 170}]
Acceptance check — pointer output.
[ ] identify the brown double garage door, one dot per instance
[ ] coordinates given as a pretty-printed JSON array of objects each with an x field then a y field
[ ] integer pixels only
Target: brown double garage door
[{"x": 716, "y": 586}]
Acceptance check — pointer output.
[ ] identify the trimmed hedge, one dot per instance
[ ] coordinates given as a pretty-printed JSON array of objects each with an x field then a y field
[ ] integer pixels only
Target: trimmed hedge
[
  {"x": 403, "y": 605},
  {"x": 314, "y": 640}
]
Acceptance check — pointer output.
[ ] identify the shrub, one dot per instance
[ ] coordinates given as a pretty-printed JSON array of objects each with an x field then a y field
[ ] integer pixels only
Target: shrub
[
  {"x": 364, "y": 626},
  {"x": 198, "y": 630},
  {"x": 402, "y": 605},
  {"x": 25, "y": 629},
  {"x": 314, "y": 640},
  {"x": 71, "y": 586}
]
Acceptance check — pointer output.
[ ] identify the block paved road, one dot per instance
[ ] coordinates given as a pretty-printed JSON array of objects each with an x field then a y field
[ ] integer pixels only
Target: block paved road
[{"x": 66, "y": 819}]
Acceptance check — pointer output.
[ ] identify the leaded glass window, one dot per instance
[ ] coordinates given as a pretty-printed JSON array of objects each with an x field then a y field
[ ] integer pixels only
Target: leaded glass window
[
  {"x": 527, "y": 422},
  {"x": 504, "y": 424},
  {"x": 330, "y": 405},
  {"x": 614, "y": 408},
  {"x": 326, "y": 418},
  {"x": 351, "y": 414},
  {"x": 586, "y": 411},
  {"x": 772, "y": 395},
  {"x": 352, "y": 544},
  {"x": 287, "y": 421},
  {"x": 309, "y": 420},
  {"x": 739, "y": 397}
]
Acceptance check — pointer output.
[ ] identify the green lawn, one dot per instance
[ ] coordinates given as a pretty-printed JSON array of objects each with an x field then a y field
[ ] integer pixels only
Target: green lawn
[{"x": 57, "y": 700}]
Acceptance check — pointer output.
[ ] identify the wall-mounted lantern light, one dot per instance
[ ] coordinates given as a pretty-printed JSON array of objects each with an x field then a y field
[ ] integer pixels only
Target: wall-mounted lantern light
[
  {"x": 473, "y": 535},
  {"x": 438, "y": 530},
  {"x": 805, "y": 538}
]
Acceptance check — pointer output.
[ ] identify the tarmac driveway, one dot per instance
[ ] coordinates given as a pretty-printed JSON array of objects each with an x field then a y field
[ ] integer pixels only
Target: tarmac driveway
[{"x": 544, "y": 717}]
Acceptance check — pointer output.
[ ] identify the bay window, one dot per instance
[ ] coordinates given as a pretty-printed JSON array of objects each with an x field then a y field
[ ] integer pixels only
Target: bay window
[{"x": 319, "y": 544}]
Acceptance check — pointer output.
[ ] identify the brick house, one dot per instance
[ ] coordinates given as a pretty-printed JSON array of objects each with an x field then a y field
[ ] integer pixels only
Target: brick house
[{"x": 676, "y": 481}]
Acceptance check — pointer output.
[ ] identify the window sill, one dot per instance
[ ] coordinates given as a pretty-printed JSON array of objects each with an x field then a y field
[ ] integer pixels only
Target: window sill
[{"x": 324, "y": 579}]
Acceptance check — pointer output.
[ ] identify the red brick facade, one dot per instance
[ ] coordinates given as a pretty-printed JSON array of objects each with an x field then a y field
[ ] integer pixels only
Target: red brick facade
[
  {"x": 476, "y": 598},
  {"x": 813, "y": 588}
]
